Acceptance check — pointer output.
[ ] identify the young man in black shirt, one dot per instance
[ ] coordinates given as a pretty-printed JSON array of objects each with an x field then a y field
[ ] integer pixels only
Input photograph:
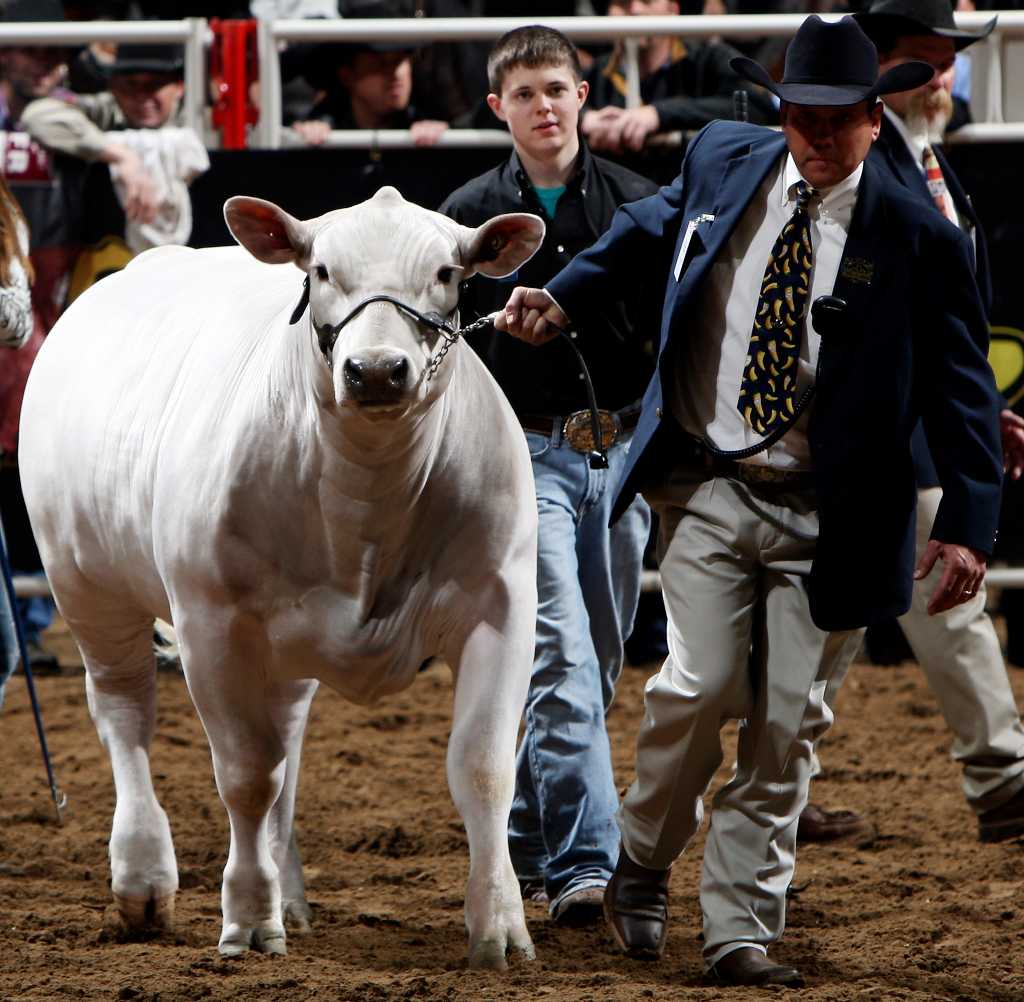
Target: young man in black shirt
[{"x": 562, "y": 832}]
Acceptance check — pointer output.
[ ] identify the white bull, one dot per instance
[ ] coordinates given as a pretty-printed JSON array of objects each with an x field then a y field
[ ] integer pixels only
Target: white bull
[{"x": 299, "y": 514}]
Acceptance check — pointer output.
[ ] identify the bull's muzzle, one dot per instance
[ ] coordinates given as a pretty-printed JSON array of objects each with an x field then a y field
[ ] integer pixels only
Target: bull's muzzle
[{"x": 377, "y": 379}]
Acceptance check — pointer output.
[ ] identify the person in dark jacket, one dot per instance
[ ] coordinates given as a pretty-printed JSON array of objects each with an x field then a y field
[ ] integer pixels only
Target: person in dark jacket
[
  {"x": 562, "y": 831},
  {"x": 683, "y": 85},
  {"x": 958, "y": 651}
]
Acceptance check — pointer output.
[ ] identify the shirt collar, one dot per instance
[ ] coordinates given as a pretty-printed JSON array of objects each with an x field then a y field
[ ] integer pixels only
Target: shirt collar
[{"x": 833, "y": 199}]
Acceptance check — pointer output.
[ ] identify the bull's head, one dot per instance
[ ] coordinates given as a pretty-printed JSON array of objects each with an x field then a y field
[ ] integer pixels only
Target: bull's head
[{"x": 380, "y": 355}]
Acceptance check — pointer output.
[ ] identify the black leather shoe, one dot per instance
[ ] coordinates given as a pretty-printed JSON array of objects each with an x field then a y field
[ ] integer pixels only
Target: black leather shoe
[
  {"x": 747, "y": 966},
  {"x": 636, "y": 908},
  {"x": 1003, "y": 822}
]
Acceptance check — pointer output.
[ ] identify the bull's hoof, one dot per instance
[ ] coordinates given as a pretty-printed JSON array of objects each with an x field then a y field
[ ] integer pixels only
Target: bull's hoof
[
  {"x": 139, "y": 914},
  {"x": 298, "y": 918},
  {"x": 488, "y": 955},
  {"x": 267, "y": 937}
]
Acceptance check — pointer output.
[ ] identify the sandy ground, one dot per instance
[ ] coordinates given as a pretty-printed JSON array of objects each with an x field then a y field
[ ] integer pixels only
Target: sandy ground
[{"x": 923, "y": 911}]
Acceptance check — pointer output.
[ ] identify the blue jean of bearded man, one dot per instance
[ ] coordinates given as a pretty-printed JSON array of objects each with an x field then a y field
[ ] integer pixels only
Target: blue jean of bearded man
[{"x": 562, "y": 826}]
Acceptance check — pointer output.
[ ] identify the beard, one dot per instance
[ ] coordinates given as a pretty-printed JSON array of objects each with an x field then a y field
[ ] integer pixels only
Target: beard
[{"x": 928, "y": 113}]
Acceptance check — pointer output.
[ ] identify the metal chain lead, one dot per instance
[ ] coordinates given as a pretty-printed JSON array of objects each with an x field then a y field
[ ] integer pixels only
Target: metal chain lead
[{"x": 450, "y": 339}]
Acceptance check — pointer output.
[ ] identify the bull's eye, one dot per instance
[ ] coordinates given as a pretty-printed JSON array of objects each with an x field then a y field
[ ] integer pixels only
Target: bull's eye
[
  {"x": 445, "y": 275},
  {"x": 321, "y": 272}
]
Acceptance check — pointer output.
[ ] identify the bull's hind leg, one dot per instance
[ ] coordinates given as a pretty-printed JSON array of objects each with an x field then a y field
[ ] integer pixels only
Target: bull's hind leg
[
  {"x": 117, "y": 648},
  {"x": 251, "y": 724},
  {"x": 491, "y": 681}
]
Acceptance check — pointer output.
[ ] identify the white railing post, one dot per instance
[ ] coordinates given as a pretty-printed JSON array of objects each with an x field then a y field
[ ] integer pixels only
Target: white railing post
[
  {"x": 196, "y": 76},
  {"x": 269, "y": 130}
]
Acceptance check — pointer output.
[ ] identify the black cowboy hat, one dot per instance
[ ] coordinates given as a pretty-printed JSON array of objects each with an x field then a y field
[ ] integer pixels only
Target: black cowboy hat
[
  {"x": 148, "y": 58},
  {"x": 896, "y": 18},
  {"x": 833, "y": 63}
]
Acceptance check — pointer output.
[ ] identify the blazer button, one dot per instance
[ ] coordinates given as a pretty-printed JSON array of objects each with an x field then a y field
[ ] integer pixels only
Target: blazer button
[{"x": 657, "y": 412}]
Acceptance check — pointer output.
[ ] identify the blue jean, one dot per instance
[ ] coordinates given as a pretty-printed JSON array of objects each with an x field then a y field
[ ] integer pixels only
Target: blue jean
[{"x": 562, "y": 823}]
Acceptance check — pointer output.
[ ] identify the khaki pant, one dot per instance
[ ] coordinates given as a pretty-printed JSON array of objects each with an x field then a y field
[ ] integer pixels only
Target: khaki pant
[{"x": 734, "y": 565}]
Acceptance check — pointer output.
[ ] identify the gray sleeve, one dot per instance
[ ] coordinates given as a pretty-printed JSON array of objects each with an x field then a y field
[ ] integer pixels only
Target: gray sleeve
[
  {"x": 16, "y": 302},
  {"x": 74, "y": 129}
]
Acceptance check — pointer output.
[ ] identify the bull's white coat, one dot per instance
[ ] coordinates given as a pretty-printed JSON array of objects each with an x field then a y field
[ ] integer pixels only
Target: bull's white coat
[{"x": 188, "y": 454}]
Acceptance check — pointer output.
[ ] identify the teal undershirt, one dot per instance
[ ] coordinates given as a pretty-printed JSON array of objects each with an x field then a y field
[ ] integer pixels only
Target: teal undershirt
[{"x": 549, "y": 198}]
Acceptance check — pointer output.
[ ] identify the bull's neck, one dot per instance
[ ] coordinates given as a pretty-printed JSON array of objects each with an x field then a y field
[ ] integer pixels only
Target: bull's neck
[{"x": 371, "y": 485}]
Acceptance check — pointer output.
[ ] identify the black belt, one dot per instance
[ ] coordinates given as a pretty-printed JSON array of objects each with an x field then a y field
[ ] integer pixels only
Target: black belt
[{"x": 576, "y": 428}]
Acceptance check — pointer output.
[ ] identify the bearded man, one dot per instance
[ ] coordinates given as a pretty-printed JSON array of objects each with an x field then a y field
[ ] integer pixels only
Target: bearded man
[{"x": 958, "y": 650}]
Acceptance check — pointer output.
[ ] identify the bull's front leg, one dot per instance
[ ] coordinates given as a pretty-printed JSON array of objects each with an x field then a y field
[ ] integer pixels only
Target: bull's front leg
[
  {"x": 492, "y": 676},
  {"x": 249, "y": 740}
]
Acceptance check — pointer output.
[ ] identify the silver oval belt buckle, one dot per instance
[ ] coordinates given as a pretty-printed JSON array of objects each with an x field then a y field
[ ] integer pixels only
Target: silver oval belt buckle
[{"x": 579, "y": 434}]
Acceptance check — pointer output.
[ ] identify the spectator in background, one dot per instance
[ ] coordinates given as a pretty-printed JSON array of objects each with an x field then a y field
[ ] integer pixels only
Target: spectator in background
[
  {"x": 683, "y": 86},
  {"x": 146, "y": 89},
  {"x": 48, "y": 191},
  {"x": 365, "y": 85},
  {"x": 15, "y": 329},
  {"x": 30, "y": 71}
]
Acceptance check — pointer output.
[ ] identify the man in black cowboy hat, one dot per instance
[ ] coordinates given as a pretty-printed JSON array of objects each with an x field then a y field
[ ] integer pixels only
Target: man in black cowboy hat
[
  {"x": 958, "y": 651},
  {"x": 813, "y": 314}
]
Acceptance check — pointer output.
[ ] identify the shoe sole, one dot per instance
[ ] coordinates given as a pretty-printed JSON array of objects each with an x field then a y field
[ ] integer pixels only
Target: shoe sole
[
  {"x": 637, "y": 953},
  {"x": 1001, "y": 831}
]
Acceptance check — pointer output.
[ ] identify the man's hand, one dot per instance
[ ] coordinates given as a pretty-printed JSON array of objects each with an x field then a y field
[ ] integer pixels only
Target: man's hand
[
  {"x": 528, "y": 315},
  {"x": 616, "y": 129},
  {"x": 141, "y": 202},
  {"x": 1011, "y": 427},
  {"x": 963, "y": 570},
  {"x": 314, "y": 132},
  {"x": 427, "y": 131}
]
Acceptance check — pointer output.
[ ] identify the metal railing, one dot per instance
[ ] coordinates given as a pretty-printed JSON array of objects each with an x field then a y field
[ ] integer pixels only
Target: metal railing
[
  {"x": 192, "y": 33},
  {"x": 582, "y": 29}
]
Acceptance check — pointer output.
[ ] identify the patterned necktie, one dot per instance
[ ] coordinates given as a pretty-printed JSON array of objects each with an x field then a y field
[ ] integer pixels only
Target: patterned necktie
[
  {"x": 937, "y": 183},
  {"x": 768, "y": 391}
]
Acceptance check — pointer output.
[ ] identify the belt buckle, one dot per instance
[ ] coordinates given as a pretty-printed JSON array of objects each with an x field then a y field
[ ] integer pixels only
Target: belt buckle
[{"x": 578, "y": 433}]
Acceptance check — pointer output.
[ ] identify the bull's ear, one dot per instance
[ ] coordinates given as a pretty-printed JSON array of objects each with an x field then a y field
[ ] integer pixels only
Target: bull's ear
[
  {"x": 502, "y": 244},
  {"x": 266, "y": 231}
]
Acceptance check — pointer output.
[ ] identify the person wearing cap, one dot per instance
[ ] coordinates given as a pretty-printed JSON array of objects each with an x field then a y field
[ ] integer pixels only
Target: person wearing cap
[
  {"x": 959, "y": 650},
  {"x": 365, "y": 85},
  {"x": 813, "y": 313},
  {"x": 146, "y": 87},
  {"x": 28, "y": 72}
]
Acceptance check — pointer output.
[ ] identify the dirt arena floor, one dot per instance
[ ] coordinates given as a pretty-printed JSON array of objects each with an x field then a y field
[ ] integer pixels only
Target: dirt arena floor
[{"x": 921, "y": 911}]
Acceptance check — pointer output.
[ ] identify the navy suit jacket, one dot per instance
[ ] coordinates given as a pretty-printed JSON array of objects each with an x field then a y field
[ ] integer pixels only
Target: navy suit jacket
[
  {"x": 891, "y": 153},
  {"x": 911, "y": 345}
]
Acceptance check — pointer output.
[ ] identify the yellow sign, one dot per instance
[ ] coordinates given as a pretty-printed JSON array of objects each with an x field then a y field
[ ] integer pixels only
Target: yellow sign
[{"x": 1006, "y": 356}]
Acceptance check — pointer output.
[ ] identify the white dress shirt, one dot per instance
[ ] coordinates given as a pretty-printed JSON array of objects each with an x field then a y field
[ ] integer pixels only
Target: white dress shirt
[{"x": 710, "y": 367}]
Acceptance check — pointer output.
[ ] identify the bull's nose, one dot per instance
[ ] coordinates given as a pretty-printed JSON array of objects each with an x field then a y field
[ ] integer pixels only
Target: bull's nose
[{"x": 376, "y": 380}]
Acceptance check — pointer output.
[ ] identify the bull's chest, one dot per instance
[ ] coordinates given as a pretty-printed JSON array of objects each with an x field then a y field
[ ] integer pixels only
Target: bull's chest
[{"x": 363, "y": 645}]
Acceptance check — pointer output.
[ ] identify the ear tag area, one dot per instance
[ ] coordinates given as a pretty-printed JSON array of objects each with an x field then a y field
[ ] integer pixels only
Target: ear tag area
[{"x": 300, "y": 306}]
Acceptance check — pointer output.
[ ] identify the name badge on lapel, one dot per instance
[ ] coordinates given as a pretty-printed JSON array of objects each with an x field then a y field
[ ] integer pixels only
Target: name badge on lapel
[
  {"x": 691, "y": 228},
  {"x": 857, "y": 269}
]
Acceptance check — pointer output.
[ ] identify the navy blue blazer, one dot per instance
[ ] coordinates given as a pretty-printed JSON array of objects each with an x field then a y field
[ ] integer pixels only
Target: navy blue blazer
[
  {"x": 891, "y": 153},
  {"x": 911, "y": 345}
]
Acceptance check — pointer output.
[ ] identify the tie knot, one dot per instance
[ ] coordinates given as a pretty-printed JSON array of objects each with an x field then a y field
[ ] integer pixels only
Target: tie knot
[{"x": 804, "y": 194}]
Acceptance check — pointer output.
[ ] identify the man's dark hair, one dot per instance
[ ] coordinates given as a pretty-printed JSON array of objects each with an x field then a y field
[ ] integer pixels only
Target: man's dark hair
[{"x": 531, "y": 46}]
